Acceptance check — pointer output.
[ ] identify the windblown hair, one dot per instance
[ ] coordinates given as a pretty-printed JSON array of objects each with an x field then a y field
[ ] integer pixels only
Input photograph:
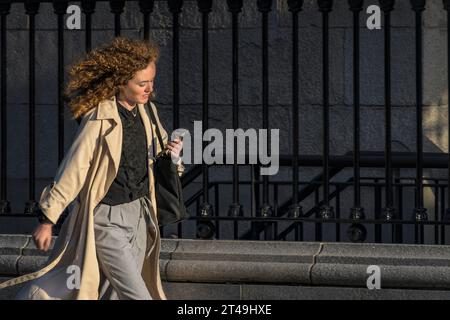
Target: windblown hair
[{"x": 99, "y": 76}]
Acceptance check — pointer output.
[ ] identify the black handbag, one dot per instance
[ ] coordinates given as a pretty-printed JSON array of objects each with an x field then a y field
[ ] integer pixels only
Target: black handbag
[{"x": 169, "y": 192}]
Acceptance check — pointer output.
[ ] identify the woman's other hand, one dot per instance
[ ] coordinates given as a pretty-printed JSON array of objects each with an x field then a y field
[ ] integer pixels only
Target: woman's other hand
[
  {"x": 42, "y": 236},
  {"x": 174, "y": 148}
]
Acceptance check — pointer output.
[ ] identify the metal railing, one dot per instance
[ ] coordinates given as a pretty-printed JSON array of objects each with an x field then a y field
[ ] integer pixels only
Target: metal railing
[
  {"x": 375, "y": 227},
  {"x": 387, "y": 211}
]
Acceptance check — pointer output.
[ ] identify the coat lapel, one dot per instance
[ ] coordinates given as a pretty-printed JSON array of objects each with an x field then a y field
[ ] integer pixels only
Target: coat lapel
[
  {"x": 149, "y": 130},
  {"x": 107, "y": 110},
  {"x": 75, "y": 244}
]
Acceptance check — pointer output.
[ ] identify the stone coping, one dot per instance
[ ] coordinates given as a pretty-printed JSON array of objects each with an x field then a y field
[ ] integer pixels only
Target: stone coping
[{"x": 270, "y": 262}]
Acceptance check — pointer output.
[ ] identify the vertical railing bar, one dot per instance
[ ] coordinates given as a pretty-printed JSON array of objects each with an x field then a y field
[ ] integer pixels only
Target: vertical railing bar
[
  {"x": 295, "y": 210},
  {"x": 264, "y": 7},
  {"x": 252, "y": 191},
  {"x": 377, "y": 205},
  {"x": 60, "y": 9},
  {"x": 325, "y": 7},
  {"x": 389, "y": 211},
  {"x": 4, "y": 203},
  {"x": 416, "y": 225},
  {"x": 275, "y": 230},
  {"x": 446, "y": 215},
  {"x": 418, "y": 6},
  {"x": 235, "y": 102},
  {"x": 295, "y": 105},
  {"x": 301, "y": 231},
  {"x": 265, "y": 82},
  {"x": 399, "y": 231},
  {"x": 117, "y": 9},
  {"x": 436, "y": 211},
  {"x": 256, "y": 193},
  {"x": 32, "y": 105},
  {"x": 31, "y": 9},
  {"x": 146, "y": 7},
  {"x": 175, "y": 8},
  {"x": 275, "y": 199},
  {"x": 338, "y": 211},
  {"x": 357, "y": 212},
  {"x": 88, "y": 8},
  {"x": 217, "y": 208},
  {"x": 318, "y": 225},
  {"x": 197, "y": 208},
  {"x": 205, "y": 9},
  {"x": 256, "y": 171},
  {"x": 443, "y": 213}
]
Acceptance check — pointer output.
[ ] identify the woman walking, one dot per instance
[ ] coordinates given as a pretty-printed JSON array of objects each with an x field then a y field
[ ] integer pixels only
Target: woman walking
[{"x": 109, "y": 245}]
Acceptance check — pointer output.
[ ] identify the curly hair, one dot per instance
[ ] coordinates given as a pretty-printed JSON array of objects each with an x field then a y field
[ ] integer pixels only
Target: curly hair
[{"x": 99, "y": 76}]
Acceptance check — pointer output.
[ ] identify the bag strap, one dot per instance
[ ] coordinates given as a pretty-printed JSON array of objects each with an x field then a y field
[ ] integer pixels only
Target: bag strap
[{"x": 158, "y": 132}]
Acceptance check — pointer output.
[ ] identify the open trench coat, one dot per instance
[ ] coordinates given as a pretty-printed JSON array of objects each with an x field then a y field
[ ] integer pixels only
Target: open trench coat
[{"x": 83, "y": 179}]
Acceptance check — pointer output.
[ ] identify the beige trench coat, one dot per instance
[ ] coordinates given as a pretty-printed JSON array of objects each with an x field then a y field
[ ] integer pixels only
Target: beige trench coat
[{"x": 85, "y": 175}]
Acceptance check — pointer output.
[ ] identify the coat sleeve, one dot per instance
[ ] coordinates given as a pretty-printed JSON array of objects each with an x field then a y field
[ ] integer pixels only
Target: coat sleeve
[
  {"x": 72, "y": 171},
  {"x": 165, "y": 137}
]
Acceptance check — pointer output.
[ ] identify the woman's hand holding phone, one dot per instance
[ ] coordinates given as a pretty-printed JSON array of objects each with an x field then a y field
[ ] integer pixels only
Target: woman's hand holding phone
[{"x": 174, "y": 148}]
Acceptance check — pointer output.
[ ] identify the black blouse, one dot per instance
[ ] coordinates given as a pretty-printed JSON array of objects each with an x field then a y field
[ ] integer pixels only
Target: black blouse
[{"x": 131, "y": 182}]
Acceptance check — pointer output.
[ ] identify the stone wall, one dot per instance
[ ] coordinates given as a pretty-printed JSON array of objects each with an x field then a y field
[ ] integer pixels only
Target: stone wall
[{"x": 196, "y": 269}]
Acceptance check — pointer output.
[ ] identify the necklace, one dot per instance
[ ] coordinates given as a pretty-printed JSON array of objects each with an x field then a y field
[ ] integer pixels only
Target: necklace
[{"x": 133, "y": 111}]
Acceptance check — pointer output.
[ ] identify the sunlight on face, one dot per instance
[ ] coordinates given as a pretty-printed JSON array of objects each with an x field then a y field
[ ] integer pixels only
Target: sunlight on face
[{"x": 140, "y": 87}]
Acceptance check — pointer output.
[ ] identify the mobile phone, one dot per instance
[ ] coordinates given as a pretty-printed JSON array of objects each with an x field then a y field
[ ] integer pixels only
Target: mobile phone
[{"x": 178, "y": 134}]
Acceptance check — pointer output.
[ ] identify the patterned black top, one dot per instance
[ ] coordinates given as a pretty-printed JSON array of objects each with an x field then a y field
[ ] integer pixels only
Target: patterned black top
[{"x": 131, "y": 182}]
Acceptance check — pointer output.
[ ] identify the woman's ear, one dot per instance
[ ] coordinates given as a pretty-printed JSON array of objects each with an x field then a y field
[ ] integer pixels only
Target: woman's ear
[{"x": 119, "y": 89}]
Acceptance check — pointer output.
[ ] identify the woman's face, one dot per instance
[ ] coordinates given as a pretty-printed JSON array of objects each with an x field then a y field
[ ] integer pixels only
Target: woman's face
[{"x": 140, "y": 87}]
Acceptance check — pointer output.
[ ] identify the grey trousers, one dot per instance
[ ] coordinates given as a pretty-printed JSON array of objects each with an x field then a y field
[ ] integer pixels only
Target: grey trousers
[{"x": 121, "y": 240}]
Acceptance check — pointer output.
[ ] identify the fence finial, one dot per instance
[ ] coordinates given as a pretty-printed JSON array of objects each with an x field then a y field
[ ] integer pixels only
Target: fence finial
[
  {"x": 4, "y": 8},
  {"x": 146, "y": 6},
  {"x": 387, "y": 5},
  {"x": 60, "y": 7},
  {"x": 204, "y": 6},
  {"x": 117, "y": 6},
  {"x": 295, "y": 6},
  {"x": 418, "y": 5},
  {"x": 325, "y": 5},
  {"x": 175, "y": 6},
  {"x": 356, "y": 5},
  {"x": 88, "y": 6},
  {"x": 264, "y": 5},
  {"x": 234, "y": 6},
  {"x": 32, "y": 7}
]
